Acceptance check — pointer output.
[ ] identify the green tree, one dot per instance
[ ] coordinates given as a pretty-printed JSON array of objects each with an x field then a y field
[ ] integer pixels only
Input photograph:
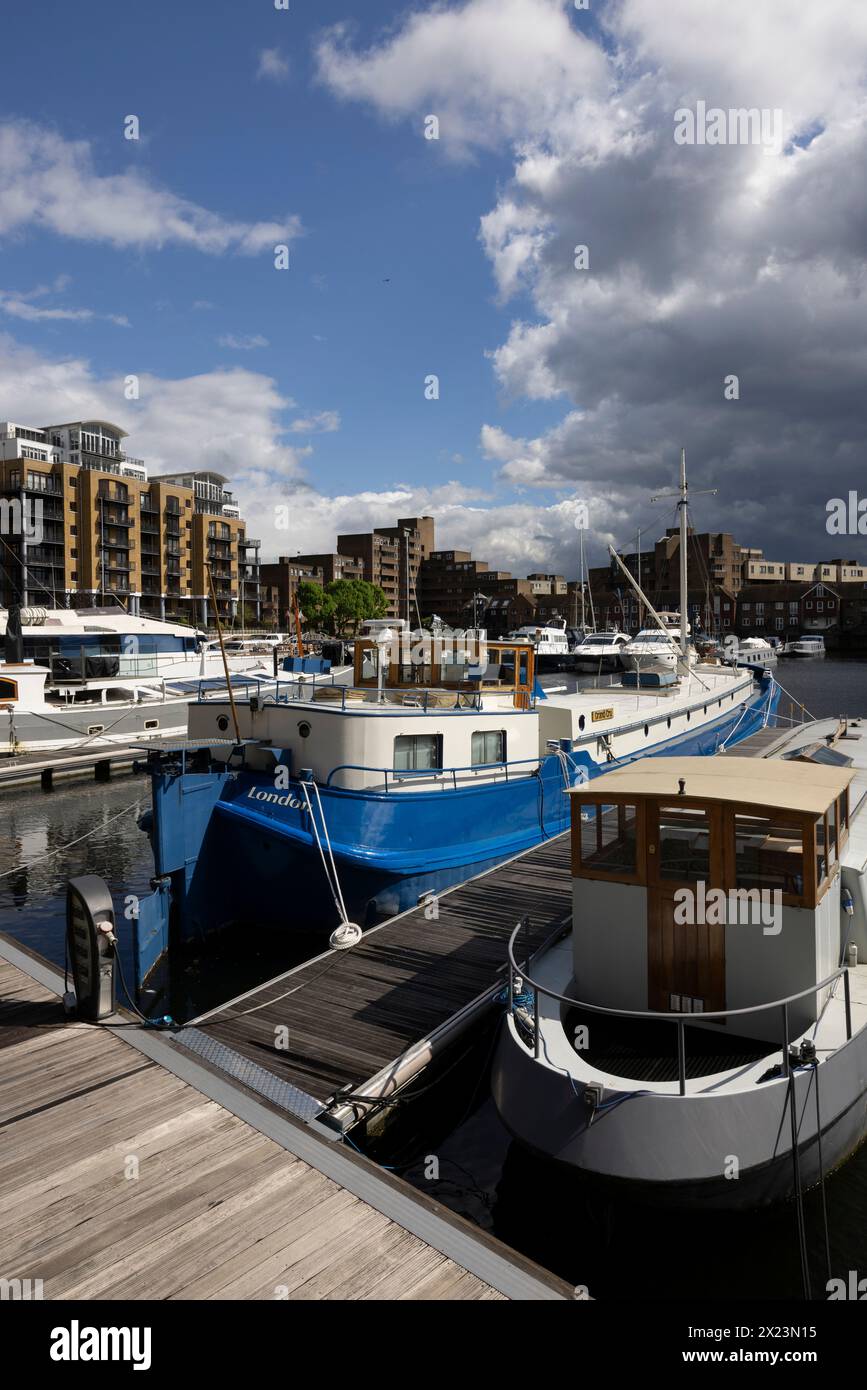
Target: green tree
[
  {"x": 317, "y": 606},
  {"x": 354, "y": 600}
]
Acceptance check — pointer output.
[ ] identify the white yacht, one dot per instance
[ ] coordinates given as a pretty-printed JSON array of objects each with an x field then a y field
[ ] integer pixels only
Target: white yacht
[
  {"x": 549, "y": 642},
  {"x": 656, "y": 648},
  {"x": 93, "y": 676},
  {"x": 811, "y": 644},
  {"x": 36, "y": 718},
  {"x": 95, "y": 648},
  {"x": 756, "y": 650},
  {"x": 600, "y": 651},
  {"x": 705, "y": 1018}
]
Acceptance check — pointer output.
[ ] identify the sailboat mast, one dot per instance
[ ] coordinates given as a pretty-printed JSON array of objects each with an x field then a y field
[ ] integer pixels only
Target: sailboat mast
[
  {"x": 683, "y": 567},
  {"x": 583, "y": 625}
]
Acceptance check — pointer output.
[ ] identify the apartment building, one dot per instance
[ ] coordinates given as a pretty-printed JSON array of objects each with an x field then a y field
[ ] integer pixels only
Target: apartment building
[
  {"x": 786, "y": 609},
  {"x": 451, "y": 584},
  {"x": 282, "y": 578},
  {"x": 82, "y": 525},
  {"x": 391, "y": 558},
  {"x": 333, "y": 566}
]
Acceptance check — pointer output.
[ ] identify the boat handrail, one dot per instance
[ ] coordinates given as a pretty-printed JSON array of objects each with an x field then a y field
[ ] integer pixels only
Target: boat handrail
[
  {"x": 408, "y": 773},
  {"x": 680, "y": 1019},
  {"x": 395, "y": 699}
]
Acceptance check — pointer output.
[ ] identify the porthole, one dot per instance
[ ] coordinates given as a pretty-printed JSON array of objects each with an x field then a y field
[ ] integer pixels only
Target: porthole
[
  {"x": 705, "y": 709},
  {"x": 669, "y": 721},
  {"x": 646, "y": 730},
  {"x": 222, "y": 723},
  {"x": 152, "y": 723},
  {"x": 95, "y": 728},
  {"x": 581, "y": 722},
  {"x": 304, "y": 729},
  {"x": 688, "y": 716}
]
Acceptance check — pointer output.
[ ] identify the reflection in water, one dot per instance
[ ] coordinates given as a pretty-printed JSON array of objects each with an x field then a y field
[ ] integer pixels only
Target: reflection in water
[{"x": 33, "y": 890}]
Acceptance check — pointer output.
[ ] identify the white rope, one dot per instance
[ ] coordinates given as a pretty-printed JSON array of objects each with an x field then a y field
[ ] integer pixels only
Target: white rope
[
  {"x": 341, "y": 911},
  {"x": 344, "y": 913}
]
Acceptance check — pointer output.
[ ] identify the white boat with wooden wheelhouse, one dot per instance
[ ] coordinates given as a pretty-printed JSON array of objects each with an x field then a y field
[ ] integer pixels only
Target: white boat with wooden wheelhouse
[{"x": 699, "y": 1036}]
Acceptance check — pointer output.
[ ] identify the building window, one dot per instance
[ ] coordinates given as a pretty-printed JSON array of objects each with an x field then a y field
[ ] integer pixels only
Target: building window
[
  {"x": 488, "y": 746},
  {"x": 418, "y": 752}
]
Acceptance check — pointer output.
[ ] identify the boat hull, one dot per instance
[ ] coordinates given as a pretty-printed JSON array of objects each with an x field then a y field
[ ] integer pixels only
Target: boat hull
[
  {"x": 675, "y": 1151},
  {"x": 71, "y": 726}
]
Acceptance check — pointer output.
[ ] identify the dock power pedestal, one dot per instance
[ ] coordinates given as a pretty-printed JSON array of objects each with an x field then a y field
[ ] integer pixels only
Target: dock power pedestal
[{"x": 91, "y": 944}]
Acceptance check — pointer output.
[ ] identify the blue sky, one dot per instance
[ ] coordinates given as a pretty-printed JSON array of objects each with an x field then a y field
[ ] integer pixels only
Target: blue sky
[
  {"x": 376, "y": 201},
  {"x": 410, "y": 257}
]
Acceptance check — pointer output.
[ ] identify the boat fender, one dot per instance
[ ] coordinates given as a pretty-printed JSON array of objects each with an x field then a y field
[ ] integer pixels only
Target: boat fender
[{"x": 847, "y": 902}]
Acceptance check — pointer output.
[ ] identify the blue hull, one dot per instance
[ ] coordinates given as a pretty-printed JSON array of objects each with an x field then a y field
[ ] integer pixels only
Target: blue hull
[{"x": 389, "y": 848}]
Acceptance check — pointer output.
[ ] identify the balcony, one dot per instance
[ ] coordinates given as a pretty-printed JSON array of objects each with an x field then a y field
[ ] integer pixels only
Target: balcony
[
  {"x": 40, "y": 554},
  {"x": 108, "y": 492}
]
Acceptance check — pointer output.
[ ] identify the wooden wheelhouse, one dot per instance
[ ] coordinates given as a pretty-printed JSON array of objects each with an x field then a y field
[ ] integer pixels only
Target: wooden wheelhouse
[
  {"x": 413, "y": 662},
  {"x": 726, "y": 869}
]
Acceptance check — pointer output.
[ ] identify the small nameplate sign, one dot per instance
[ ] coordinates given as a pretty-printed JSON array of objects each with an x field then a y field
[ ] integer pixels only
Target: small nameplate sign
[{"x": 601, "y": 714}]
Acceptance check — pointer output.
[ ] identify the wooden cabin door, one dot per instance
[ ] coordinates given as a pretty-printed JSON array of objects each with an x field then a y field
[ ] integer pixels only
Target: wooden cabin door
[{"x": 685, "y": 942}]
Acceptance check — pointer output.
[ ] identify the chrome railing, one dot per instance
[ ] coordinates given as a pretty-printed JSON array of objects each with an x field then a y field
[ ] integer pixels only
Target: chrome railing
[
  {"x": 680, "y": 1020},
  {"x": 411, "y": 773}
]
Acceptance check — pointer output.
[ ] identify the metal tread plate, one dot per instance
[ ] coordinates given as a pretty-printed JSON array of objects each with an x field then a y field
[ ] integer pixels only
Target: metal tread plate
[{"x": 280, "y": 1093}]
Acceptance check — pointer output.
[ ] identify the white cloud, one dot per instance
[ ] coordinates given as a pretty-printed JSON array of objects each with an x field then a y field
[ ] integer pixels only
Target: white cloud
[
  {"x": 272, "y": 64},
  {"x": 704, "y": 261},
  {"x": 51, "y": 183},
  {"x": 489, "y": 69},
  {"x": 326, "y": 422},
  {"x": 231, "y": 421},
  {"x": 243, "y": 343},
  {"x": 19, "y": 304}
]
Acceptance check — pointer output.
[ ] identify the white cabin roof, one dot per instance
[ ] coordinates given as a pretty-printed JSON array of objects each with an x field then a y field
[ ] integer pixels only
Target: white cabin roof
[{"x": 774, "y": 782}]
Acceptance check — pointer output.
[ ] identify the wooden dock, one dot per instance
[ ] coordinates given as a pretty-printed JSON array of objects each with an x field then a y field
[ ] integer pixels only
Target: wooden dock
[
  {"x": 359, "y": 1018},
  {"x": 46, "y": 769},
  {"x": 129, "y": 1171}
]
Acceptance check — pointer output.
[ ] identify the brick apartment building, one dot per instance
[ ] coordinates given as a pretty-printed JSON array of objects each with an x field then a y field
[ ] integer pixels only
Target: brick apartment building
[{"x": 108, "y": 532}]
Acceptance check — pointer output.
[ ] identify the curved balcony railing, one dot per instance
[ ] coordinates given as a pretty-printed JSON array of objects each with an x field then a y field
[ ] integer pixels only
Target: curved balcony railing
[{"x": 680, "y": 1020}]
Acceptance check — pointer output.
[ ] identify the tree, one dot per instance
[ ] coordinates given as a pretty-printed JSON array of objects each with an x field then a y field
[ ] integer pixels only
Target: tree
[
  {"x": 317, "y": 606},
  {"x": 354, "y": 600}
]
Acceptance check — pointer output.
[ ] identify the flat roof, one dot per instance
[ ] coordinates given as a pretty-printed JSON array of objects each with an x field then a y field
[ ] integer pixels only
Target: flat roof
[{"x": 776, "y": 782}]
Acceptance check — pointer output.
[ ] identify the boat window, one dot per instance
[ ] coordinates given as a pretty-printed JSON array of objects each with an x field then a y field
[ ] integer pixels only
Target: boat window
[
  {"x": 488, "y": 746},
  {"x": 8, "y": 690},
  {"x": 410, "y": 674},
  {"x": 369, "y": 663},
  {"x": 523, "y": 668},
  {"x": 844, "y": 811},
  {"x": 419, "y": 752},
  {"x": 684, "y": 844},
  {"x": 769, "y": 854},
  {"x": 608, "y": 839},
  {"x": 831, "y": 822},
  {"x": 821, "y": 855}
]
